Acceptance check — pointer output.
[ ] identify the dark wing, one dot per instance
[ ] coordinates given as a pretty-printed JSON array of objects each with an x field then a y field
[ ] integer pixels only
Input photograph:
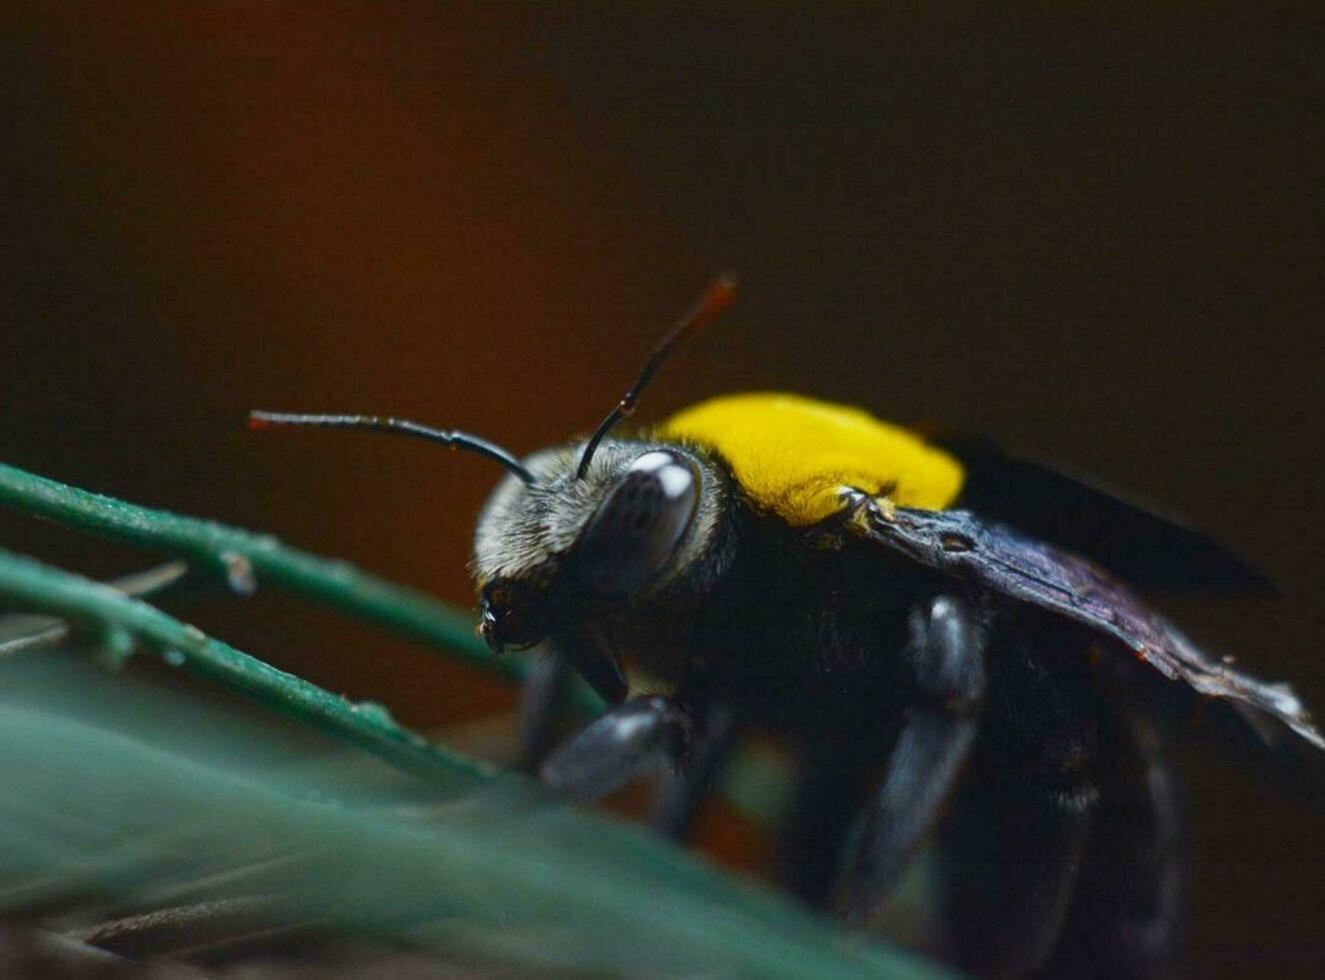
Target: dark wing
[
  {"x": 998, "y": 558},
  {"x": 1129, "y": 537}
]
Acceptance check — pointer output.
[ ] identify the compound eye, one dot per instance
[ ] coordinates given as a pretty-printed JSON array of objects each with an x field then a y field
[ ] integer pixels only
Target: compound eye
[{"x": 638, "y": 526}]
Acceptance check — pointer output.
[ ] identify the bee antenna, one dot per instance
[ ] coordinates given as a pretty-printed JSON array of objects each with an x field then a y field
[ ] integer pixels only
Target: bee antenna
[
  {"x": 258, "y": 421},
  {"x": 715, "y": 299}
]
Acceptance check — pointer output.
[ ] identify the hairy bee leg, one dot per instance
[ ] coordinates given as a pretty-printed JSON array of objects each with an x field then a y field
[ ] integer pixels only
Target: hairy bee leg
[
  {"x": 686, "y": 785},
  {"x": 826, "y": 800},
  {"x": 542, "y": 705},
  {"x": 1012, "y": 872},
  {"x": 625, "y": 742},
  {"x": 1023, "y": 816},
  {"x": 1125, "y": 919},
  {"x": 945, "y": 657}
]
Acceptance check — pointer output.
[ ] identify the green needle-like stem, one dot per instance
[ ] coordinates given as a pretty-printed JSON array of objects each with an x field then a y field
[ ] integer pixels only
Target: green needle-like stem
[
  {"x": 124, "y": 622},
  {"x": 245, "y": 559}
]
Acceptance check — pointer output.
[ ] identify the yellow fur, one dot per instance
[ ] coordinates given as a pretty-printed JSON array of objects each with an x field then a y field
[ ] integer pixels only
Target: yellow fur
[{"x": 792, "y": 454}]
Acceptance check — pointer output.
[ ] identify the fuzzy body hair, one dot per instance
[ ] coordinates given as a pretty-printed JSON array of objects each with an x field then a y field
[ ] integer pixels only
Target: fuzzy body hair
[{"x": 524, "y": 530}]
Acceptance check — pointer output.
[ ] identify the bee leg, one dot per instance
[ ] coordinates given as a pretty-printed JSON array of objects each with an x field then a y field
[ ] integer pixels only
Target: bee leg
[
  {"x": 1022, "y": 816},
  {"x": 686, "y": 784},
  {"x": 1012, "y": 877},
  {"x": 542, "y": 705},
  {"x": 828, "y": 795},
  {"x": 1125, "y": 918},
  {"x": 630, "y": 739},
  {"x": 945, "y": 658},
  {"x": 546, "y": 691}
]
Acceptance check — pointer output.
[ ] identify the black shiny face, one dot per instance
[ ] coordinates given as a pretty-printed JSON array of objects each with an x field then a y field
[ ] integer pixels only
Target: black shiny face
[
  {"x": 637, "y": 528},
  {"x": 512, "y": 615}
]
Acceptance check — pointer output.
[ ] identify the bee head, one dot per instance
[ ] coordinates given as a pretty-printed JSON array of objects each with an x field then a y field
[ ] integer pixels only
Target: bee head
[
  {"x": 583, "y": 528},
  {"x": 566, "y": 548}
]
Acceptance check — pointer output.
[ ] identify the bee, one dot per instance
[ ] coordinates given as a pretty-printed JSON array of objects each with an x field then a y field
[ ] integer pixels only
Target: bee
[{"x": 928, "y": 624}]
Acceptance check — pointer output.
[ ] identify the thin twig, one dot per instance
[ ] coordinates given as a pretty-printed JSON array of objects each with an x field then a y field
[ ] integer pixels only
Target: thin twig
[
  {"x": 24, "y": 633},
  {"x": 243, "y": 557},
  {"x": 125, "y": 622}
]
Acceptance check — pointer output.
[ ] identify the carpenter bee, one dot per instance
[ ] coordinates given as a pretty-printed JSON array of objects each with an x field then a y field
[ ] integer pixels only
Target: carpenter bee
[{"x": 929, "y": 625}]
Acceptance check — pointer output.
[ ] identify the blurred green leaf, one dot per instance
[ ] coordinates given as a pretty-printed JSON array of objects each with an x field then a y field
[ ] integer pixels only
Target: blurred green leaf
[{"x": 504, "y": 876}]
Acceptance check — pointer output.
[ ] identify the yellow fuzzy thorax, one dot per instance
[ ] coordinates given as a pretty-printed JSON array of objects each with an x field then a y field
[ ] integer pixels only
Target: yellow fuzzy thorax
[{"x": 792, "y": 455}]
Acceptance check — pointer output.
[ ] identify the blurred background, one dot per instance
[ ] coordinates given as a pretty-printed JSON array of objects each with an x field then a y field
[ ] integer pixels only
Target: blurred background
[{"x": 1097, "y": 241}]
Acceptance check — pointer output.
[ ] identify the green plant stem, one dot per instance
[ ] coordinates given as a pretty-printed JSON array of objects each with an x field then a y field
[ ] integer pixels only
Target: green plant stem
[
  {"x": 123, "y": 623},
  {"x": 24, "y": 633},
  {"x": 244, "y": 559}
]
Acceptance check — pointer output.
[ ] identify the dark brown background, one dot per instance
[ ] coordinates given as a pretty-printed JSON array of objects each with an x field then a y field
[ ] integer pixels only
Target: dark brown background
[{"x": 1100, "y": 241}]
